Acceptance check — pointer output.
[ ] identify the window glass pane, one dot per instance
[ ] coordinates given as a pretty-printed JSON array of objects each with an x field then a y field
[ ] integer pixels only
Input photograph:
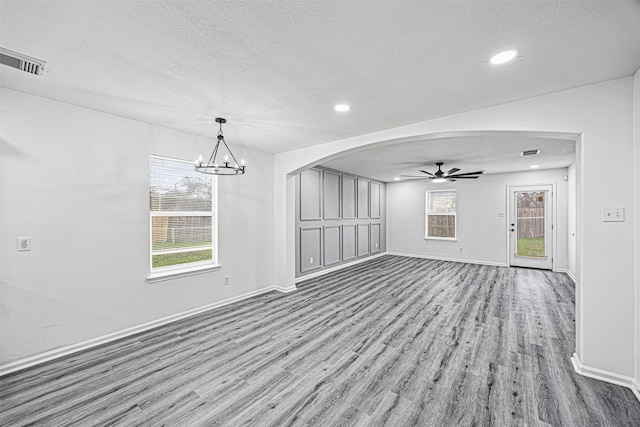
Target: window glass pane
[
  {"x": 166, "y": 260},
  {"x": 442, "y": 202},
  {"x": 181, "y": 203},
  {"x": 175, "y": 186},
  {"x": 441, "y": 226},
  {"x": 177, "y": 232},
  {"x": 530, "y": 224}
]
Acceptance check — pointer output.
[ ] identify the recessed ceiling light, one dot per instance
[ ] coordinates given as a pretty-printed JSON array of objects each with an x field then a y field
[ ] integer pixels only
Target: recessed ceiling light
[
  {"x": 396, "y": 178},
  {"x": 534, "y": 166},
  {"x": 503, "y": 57},
  {"x": 342, "y": 108}
]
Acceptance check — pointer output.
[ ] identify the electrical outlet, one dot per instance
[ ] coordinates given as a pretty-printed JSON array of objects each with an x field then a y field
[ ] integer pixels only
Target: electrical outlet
[
  {"x": 461, "y": 249},
  {"x": 311, "y": 260},
  {"x": 24, "y": 244},
  {"x": 376, "y": 246},
  {"x": 226, "y": 280}
]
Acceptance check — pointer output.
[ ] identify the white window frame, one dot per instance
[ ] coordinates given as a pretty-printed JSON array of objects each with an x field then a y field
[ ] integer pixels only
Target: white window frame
[
  {"x": 427, "y": 214},
  {"x": 182, "y": 270}
]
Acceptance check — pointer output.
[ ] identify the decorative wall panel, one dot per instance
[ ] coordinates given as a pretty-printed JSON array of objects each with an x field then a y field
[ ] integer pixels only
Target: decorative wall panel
[
  {"x": 331, "y": 195},
  {"x": 363, "y": 239},
  {"x": 348, "y": 197},
  {"x": 310, "y": 181},
  {"x": 332, "y": 245},
  {"x": 310, "y": 249},
  {"x": 375, "y": 238},
  {"x": 375, "y": 200},
  {"x": 363, "y": 198},
  {"x": 349, "y": 242},
  {"x": 339, "y": 219}
]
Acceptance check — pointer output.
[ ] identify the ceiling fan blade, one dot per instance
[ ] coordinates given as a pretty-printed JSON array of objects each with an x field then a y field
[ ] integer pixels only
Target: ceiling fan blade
[
  {"x": 428, "y": 173},
  {"x": 451, "y": 171},
  {"x": 468, "y": 173}
]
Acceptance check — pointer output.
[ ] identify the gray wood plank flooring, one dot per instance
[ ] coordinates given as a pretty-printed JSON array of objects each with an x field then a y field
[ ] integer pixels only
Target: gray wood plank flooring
[{"x": 393, "y": 341}]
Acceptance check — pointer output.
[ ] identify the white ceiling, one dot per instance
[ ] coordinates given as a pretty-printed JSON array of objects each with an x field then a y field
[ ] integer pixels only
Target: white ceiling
[
  {"x": 490, "y": 152},
  {"x": 275, "y": 69}
]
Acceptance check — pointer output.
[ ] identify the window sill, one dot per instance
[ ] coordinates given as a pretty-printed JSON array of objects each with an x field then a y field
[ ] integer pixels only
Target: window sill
[
  {"x": 445, "y": 239},
  {"x": 160, "y": 276}
]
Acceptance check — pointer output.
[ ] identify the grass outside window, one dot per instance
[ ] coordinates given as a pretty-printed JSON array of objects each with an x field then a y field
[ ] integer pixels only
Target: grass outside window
[{"x": 530, "y": 247}]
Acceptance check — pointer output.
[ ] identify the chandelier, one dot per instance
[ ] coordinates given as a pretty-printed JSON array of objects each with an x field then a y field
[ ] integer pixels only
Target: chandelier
[{"x": 212, "y": 167}]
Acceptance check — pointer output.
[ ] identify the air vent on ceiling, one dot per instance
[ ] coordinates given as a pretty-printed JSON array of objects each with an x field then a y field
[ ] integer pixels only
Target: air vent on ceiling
[
  {"x": 529, "y": 152},
  {"x": 22, "y": 62}
]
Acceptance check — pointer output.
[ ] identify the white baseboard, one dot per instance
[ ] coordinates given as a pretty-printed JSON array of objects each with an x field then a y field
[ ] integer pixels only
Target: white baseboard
[
  {"x": 338, "y": 267},
  {"x": 284, "y": 290},
  {"x": 635, "y": 388},
  {"x": 602, "y": 375},
  {"x": 94, "y": 342},
  {"x": 568, "y": 273},
  {"x": 440, "y": 258}
]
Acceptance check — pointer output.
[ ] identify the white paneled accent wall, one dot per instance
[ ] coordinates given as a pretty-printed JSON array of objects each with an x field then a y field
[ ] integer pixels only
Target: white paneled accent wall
[{"x": 339, "y": 218}]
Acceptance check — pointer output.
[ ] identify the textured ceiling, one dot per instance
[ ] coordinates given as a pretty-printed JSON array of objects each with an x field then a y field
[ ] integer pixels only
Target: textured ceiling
[{"x": 275, "y": 69}]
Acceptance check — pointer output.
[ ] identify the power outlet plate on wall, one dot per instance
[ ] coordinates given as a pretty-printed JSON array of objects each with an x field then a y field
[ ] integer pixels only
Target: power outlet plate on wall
[{"x": 24, "y": 244}]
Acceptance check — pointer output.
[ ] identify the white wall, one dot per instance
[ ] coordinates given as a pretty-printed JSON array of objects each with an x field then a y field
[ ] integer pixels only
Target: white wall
[
  {"x": 482, "y": 233},
  {"x": 602, "y": 114},
  {"x": 572, "y": 252},
  {"x": 636, "y": 171},
  {"x": 77, "y": 182}
]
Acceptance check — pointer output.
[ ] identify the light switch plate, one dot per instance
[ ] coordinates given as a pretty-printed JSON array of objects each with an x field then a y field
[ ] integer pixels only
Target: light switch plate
[{"x": 612, "y": 214}]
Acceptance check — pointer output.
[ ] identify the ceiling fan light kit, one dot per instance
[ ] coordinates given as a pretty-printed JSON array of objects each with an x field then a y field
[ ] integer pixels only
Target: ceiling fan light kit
[
  {"x": 439, "y": 176},
  {"x": 212, "y": 167}
]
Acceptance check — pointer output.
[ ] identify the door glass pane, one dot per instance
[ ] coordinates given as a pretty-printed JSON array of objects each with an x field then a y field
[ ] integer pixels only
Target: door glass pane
[{"x": 530, "y": 224}]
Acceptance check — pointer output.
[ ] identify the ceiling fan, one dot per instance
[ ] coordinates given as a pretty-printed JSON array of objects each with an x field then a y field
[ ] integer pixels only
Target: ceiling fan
[{"x": 449, "y": 176}]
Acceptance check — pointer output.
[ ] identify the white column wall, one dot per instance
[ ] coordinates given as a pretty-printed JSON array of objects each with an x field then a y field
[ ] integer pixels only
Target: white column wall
[
  {"x": 571, "y": 221},
  {"x": 602, "y": 114},
  {"x": 636, "y": 186}
]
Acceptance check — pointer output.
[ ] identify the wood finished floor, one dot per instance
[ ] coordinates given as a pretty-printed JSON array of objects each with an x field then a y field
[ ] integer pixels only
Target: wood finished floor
[{"x": 394, "y": 341}]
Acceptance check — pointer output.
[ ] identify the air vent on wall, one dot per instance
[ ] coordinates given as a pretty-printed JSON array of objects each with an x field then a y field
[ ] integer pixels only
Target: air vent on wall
[
  {"x": 22, "y": 62},
  {"x": 529, "y": 153}
]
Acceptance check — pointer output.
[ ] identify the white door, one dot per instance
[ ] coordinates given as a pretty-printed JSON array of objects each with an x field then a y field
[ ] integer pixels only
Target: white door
[{"x": 530, "y": 226}]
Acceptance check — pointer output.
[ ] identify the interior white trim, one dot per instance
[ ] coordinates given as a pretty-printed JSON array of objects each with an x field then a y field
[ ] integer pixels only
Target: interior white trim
[
  {"x": 602, "y": 375},
  {"x": 94, "y": 342},
  {"x": 568, "y": 273},
  {"x": 635, "y": 388},
  {"x": 441, "y": 258},
  {"x": 338, "y": 267},
  {"x": 554, "y": 219},
  {"x": 184, "y": 272}
]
